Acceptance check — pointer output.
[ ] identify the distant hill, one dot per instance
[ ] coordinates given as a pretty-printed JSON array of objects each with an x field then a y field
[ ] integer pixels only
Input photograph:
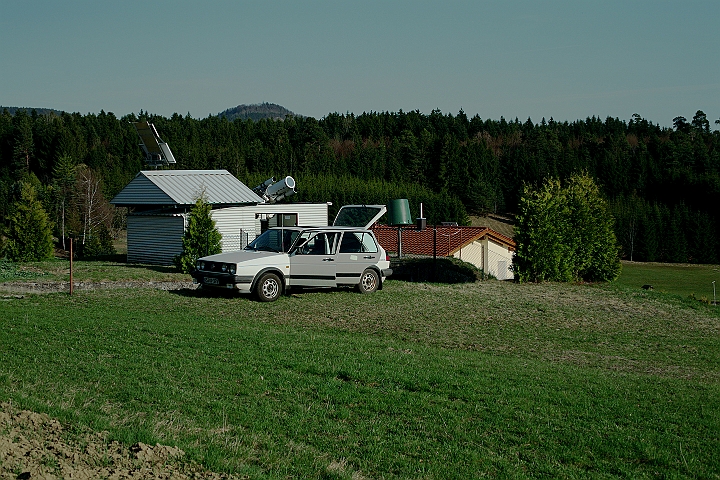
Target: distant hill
[
  {"x": 257, "y": 111},
  {"x": 40, "y": 111}
]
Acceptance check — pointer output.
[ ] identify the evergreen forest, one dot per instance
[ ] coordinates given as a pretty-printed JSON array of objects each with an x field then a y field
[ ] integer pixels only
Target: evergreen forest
[{"x": 662, "y": 184}]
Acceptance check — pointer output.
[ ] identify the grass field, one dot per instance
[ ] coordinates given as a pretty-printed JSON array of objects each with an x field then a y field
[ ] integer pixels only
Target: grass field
[
  {"x": 112, "y": 269},
  {"x": 679, "y": 279},
  {"x": 416, "y": 381}
]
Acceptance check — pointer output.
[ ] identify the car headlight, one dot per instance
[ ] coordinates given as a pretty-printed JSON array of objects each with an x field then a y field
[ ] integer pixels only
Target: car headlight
[
  {"x": 232, "y": 269},
  {"x": 224, "y": 267},
  {"x": 201, "y": 265}
]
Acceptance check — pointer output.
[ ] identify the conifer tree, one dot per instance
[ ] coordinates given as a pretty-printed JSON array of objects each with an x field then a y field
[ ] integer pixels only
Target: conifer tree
[
  {"x": 542, "y": 233},
  {"x": 565, "y": 233},
  {"x": 29, "y": 231},
  {"x": 201, "y": 237},
  {"x": 592, "y": 236}
]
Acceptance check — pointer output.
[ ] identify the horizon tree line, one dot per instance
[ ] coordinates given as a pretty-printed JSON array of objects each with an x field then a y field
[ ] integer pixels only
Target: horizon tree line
[{"x": 656, "y": 179}]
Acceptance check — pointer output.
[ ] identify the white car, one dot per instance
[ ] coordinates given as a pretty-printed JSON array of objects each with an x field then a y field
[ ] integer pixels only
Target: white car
[{"x": 281, "y": 258}]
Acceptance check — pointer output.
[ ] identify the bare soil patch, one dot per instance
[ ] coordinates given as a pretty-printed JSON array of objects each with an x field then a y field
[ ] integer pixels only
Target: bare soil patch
[{"x": 35, "y": 446}]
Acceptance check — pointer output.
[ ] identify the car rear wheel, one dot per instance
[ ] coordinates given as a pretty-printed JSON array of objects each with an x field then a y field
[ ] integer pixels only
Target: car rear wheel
[
  {"x": 268, "y": 288},
  {"x": 369, "y": 281}
]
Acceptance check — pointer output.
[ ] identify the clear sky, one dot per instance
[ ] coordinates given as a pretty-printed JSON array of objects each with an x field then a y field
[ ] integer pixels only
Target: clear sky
[{"x": 563, "y": 59}]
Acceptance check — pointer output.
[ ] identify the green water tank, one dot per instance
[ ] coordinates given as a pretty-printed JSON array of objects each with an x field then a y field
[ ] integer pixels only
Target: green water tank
[{"x": 399, "y": 213}]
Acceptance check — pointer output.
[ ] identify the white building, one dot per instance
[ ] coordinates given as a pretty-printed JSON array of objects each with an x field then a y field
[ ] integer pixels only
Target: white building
[
  {"x": 161, "y": 200},
  {"x": 491, "y": 253}
]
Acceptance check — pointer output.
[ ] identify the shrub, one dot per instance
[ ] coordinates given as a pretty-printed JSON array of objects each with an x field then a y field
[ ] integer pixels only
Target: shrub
[
  {"x": 99, "y": 244},
  {"x": 201, "y": 237},
  {"x": 29, "y": 230},
  {"x": 565, "y": 233}
]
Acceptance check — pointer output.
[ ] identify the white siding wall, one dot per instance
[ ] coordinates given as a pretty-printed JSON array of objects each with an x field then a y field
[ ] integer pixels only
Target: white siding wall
[
  {"x": 499, "y": 260},
  {"x": 236, "y": 225},
  {"x": 473, "y": 253},
  {"x": 154, "y": 239},
  {"x": 309, "y": 214},
  {"x": 490, "y": 257}
]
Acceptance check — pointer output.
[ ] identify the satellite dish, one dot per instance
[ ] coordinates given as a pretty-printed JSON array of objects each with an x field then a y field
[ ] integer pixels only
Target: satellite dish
[{"x": 157, "y": 152}]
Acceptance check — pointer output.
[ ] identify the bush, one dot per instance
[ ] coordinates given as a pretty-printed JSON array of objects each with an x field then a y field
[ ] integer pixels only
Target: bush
[
  {"x": 565, "y": 233},
  {"x": 440, "y": 270},
  {"x": 99, "y": 244},
  {"x": 29, "y": 230},
  {"x": 201, "y": 237}
]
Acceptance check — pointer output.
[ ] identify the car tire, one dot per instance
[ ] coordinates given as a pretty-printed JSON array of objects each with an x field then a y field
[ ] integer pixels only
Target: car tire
[
  {"x": 369, "y": 281},
  {"x": 268, "y": 288}
]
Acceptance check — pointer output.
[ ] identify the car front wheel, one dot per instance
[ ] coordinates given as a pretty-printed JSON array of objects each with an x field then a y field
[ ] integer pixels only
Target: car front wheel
[
  {"x": 268, "y": 288},
  {"x": 369, "y": 281}
]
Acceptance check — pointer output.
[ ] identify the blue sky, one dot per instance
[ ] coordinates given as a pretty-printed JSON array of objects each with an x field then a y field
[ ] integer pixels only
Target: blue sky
[{"x": 562, "y": 59}]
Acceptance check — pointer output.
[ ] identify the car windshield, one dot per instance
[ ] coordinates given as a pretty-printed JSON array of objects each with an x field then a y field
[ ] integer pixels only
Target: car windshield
[{"x": 276, "y": 240}]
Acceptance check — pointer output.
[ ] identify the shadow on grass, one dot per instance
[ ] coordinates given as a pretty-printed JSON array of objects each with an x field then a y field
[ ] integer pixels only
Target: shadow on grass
[
  {"x": 122, "y": 258},
  {"x": 154, "y": 268},
  {"x": 440, "y": 270},
  {"x": 206, "y": 293},
  {"x": 295, "y": 292},
  {"x": 115, "y": 257}
]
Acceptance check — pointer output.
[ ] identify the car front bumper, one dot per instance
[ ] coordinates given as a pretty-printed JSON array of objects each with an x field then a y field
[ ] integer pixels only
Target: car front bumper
[{"x": 222, "y": 280}]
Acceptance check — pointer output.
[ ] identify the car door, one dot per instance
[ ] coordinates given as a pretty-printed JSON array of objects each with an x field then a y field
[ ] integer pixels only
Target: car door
[
  {"x": 357, "y": 251},
  {"x": 312, "y": 264}
]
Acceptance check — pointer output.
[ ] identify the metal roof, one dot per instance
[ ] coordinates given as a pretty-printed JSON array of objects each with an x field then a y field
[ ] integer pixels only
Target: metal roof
[{"x": 184, "y": 187}]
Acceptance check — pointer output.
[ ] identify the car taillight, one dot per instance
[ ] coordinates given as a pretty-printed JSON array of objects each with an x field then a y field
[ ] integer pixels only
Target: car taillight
[{"x": 387, "y": 257}]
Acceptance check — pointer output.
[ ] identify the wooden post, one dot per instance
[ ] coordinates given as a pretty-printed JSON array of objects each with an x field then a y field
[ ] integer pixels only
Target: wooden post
[{"x": 71, "y": 266}]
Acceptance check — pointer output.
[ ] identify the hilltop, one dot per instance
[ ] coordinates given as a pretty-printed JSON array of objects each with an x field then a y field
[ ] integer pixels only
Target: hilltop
[
  {"x": 40, "y": 111},
  {"x": 257, "y": 111}
]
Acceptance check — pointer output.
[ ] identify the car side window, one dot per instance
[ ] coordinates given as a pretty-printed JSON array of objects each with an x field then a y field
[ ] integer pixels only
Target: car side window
[
  {"x": 368, "y": 243},
  {"x": 351, "y": 243},
  {"x": 319, "y": 244}
]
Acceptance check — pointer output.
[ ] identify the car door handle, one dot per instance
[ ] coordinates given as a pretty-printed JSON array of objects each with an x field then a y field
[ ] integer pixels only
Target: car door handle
[
  {"x": 328, "y": 259},
  {"x": 369, "y": 257}
]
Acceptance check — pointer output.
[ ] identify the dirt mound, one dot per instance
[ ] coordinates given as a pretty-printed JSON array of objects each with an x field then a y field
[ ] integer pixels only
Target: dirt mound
[{"x": 35, "y": 446}]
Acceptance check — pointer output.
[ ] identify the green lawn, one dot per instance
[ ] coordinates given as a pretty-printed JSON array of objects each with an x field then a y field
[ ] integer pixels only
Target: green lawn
[
  {"x": 414, "y": 381},
  {"x": 679, "y": 279},
  {"x": 114, "y": 268}
]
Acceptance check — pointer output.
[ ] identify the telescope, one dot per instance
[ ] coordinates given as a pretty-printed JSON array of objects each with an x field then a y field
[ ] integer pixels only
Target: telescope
[{"x": 273, "y": 192}]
